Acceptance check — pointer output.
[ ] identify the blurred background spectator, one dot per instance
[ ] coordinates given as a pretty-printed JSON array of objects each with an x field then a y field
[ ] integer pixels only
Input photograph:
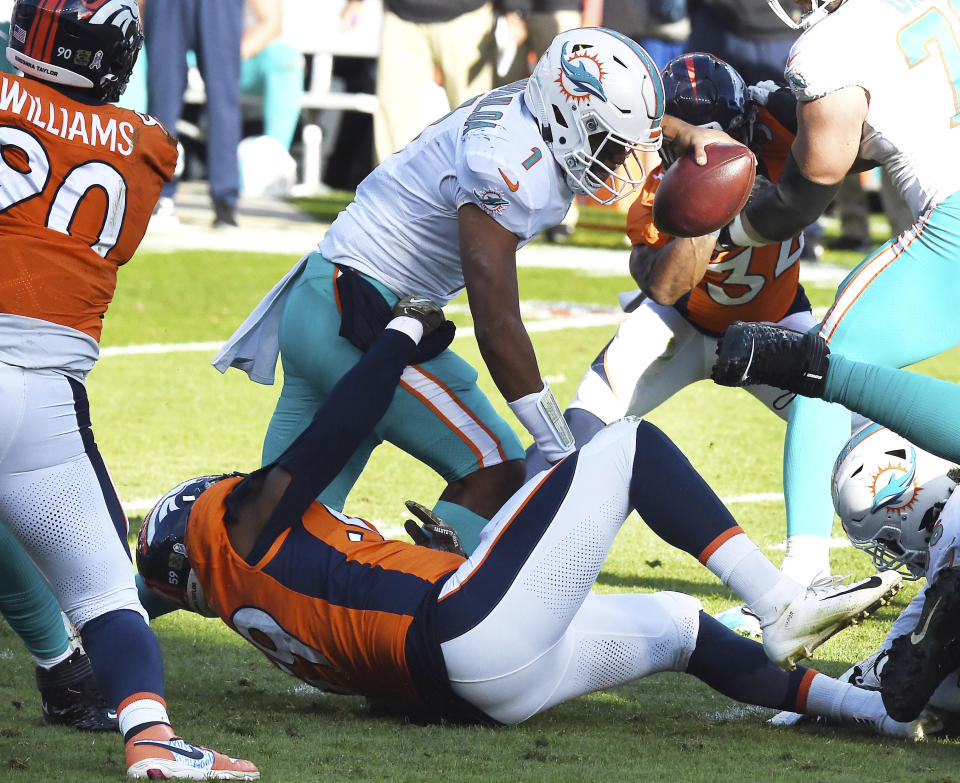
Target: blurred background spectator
[
  {"x": 745, "y": 33},
  {"x": 659, "y": 26},
  {"x": 213, "y": 29},
  {"x": 426, "y": 42},
  {"x": 545, "y": 19},
  {"x": 272, "y": 68}
]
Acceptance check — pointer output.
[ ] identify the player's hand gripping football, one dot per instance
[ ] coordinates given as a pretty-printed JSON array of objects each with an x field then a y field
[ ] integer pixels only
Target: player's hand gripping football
[
  {"x": 437, "y": 331},
  {"x": 435, "y": 533}
]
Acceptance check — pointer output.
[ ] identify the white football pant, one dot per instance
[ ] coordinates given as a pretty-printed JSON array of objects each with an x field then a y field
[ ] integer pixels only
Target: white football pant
[
  {"x": 547, "y": 638},
  {"x": 655, "y": 353},
  {"x": 56, "y": 496}
]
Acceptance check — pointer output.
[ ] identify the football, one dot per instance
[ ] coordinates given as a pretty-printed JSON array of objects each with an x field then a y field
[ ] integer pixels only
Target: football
[{"x": 695, "y": 200}]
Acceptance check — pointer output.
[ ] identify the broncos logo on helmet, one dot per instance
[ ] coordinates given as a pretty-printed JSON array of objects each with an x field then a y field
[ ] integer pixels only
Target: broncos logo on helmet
[{"x": 85, "y": 44}]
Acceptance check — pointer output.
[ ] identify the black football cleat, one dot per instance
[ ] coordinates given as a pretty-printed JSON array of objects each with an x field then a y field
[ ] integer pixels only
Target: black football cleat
[
  {"x": 765, "y": 353},
  {"x": 920, "y": 660},
  {"x": 69, "y": 696}
]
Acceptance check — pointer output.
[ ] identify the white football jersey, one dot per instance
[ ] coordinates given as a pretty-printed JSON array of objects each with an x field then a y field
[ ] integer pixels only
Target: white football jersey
[
  {"x": 944, "y": 553},
  {"x": 401, "y": 228},
  {"x": 904, "y": 54}
]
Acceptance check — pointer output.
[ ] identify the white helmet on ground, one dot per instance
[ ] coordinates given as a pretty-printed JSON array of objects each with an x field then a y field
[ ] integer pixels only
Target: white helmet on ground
[
  {"x": 888, "y": 495},
  {"x": 598, "y": 99}
]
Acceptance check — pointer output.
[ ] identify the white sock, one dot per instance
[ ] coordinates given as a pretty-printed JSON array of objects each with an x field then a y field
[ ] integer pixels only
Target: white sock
[
  {"x": 842, "y": 701},
  {"x": 49, "y": 663},
  {"x": 147, "y": 709},
  {"x": 807, "y": 558},
  {"x": 742, "y": 567}
]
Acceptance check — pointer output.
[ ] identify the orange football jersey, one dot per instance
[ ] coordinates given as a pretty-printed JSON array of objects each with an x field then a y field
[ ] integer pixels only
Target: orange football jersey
[
  {"x": 79, "y": 185},
  {"x": 331, "y": 602},
  {"x": 745, "y": 283}
]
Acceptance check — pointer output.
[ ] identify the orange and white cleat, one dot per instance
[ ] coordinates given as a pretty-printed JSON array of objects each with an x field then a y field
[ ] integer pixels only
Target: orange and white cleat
[{"x": 157, "y": 753}]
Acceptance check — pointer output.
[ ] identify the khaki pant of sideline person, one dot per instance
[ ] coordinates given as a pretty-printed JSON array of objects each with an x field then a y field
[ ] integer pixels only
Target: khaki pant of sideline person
[{"x": 462, "y": 50}]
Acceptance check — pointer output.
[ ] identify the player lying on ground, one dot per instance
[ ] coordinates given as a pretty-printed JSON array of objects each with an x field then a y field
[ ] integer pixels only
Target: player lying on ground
[
  {"x": 897, "y": 502},
  {"x": 692, "y": 290},
  {"x": 79, "y": 178},
  {"x": 514, "y": 629}
]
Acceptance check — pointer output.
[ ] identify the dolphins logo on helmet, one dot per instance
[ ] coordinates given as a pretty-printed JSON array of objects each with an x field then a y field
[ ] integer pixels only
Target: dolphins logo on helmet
[{"x": 581, "y": 75}]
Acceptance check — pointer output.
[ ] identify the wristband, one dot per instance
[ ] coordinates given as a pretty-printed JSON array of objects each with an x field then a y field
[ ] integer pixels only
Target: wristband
[
  {"x": 738, "y": 235},
  {"x": 541, "y": 415},
  {"x": 409, "y": 325}
]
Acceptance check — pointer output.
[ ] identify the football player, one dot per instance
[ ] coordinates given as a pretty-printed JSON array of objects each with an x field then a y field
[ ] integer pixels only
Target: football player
[
  {"x": 865, "y": 83},
  {"x": 79, "y": 179},
  {"x": 513, "y": 629},
  {"x": 690, "y": 290},
  {"x": 898, "y": 503},
  {"x": 448, "y": 213}
]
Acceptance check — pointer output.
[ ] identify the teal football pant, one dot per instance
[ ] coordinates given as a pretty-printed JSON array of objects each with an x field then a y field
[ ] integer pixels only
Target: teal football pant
[
  {"x": 438, "y": 414},
  {"x": 899, "y": 306}
]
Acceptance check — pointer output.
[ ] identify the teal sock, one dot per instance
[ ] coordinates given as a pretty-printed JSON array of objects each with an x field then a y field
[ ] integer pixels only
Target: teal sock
[
  {"x": 151, "y": 602},
  {"x": 815, "y": 434},
  {"x": 27, "y": 603},
  {"x": 916, "y": 406},
  {"x": 467, "y": 524}
]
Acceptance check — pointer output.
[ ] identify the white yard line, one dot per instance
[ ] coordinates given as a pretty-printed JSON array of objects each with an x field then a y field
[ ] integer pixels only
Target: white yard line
[{"x": 578, "y": 317}]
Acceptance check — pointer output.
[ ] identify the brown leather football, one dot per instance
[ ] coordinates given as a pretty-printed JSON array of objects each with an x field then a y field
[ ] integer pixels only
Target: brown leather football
[{"x": 695, "y": 200}]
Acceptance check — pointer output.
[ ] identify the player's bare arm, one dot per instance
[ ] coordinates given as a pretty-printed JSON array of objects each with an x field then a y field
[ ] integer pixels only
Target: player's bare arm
[
  {"x": 829, "y": 130},
  {"x": 488, "y": 254},
  {"x": 667, "y": 273}
]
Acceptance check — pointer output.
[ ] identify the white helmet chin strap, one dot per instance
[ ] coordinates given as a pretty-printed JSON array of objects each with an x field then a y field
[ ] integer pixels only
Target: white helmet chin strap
[{"x": 818, "y": 12}]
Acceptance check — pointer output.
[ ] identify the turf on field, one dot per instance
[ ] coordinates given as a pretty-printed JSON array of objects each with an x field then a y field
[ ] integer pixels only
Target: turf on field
[{"x": 161, "y": 417}]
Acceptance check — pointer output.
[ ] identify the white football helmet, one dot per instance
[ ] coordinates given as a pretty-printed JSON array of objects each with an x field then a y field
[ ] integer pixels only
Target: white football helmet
[
  {"x": 812, "y": 11},
  {"x": 598, "y": 99},
  {"x": 888, "y": 495}
]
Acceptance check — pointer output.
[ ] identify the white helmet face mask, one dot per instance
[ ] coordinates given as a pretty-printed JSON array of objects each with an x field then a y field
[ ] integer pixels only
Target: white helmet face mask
[
  {"x": 598, "y": 99},
  {"x": 888, "y": 495},
  {"x": 818, "y": 9}
]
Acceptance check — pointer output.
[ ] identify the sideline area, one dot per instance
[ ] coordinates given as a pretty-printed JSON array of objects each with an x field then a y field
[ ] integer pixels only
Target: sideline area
[{"x": 275, "y": 226}]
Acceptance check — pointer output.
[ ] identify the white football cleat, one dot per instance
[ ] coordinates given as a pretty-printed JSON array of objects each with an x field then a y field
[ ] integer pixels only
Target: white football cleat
[{"x": 821, "y": 610}]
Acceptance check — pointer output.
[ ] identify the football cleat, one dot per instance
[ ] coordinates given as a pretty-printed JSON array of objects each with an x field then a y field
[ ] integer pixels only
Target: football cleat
[
  {"x": 69, "y": 696},
  {"x": 920, "y": 660},
  {"x": 158, "y": 754},
  {"x": 823, "y": 609},
  {"x": 765, "y": 353},
  {"x": 741, "y": 620},
  {"x": 866, "y": 674},
  {"x": 926, "y": 724}
]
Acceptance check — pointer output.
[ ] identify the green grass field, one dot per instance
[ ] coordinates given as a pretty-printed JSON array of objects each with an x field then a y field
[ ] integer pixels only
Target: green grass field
[{"x": 160, "y": 418}]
